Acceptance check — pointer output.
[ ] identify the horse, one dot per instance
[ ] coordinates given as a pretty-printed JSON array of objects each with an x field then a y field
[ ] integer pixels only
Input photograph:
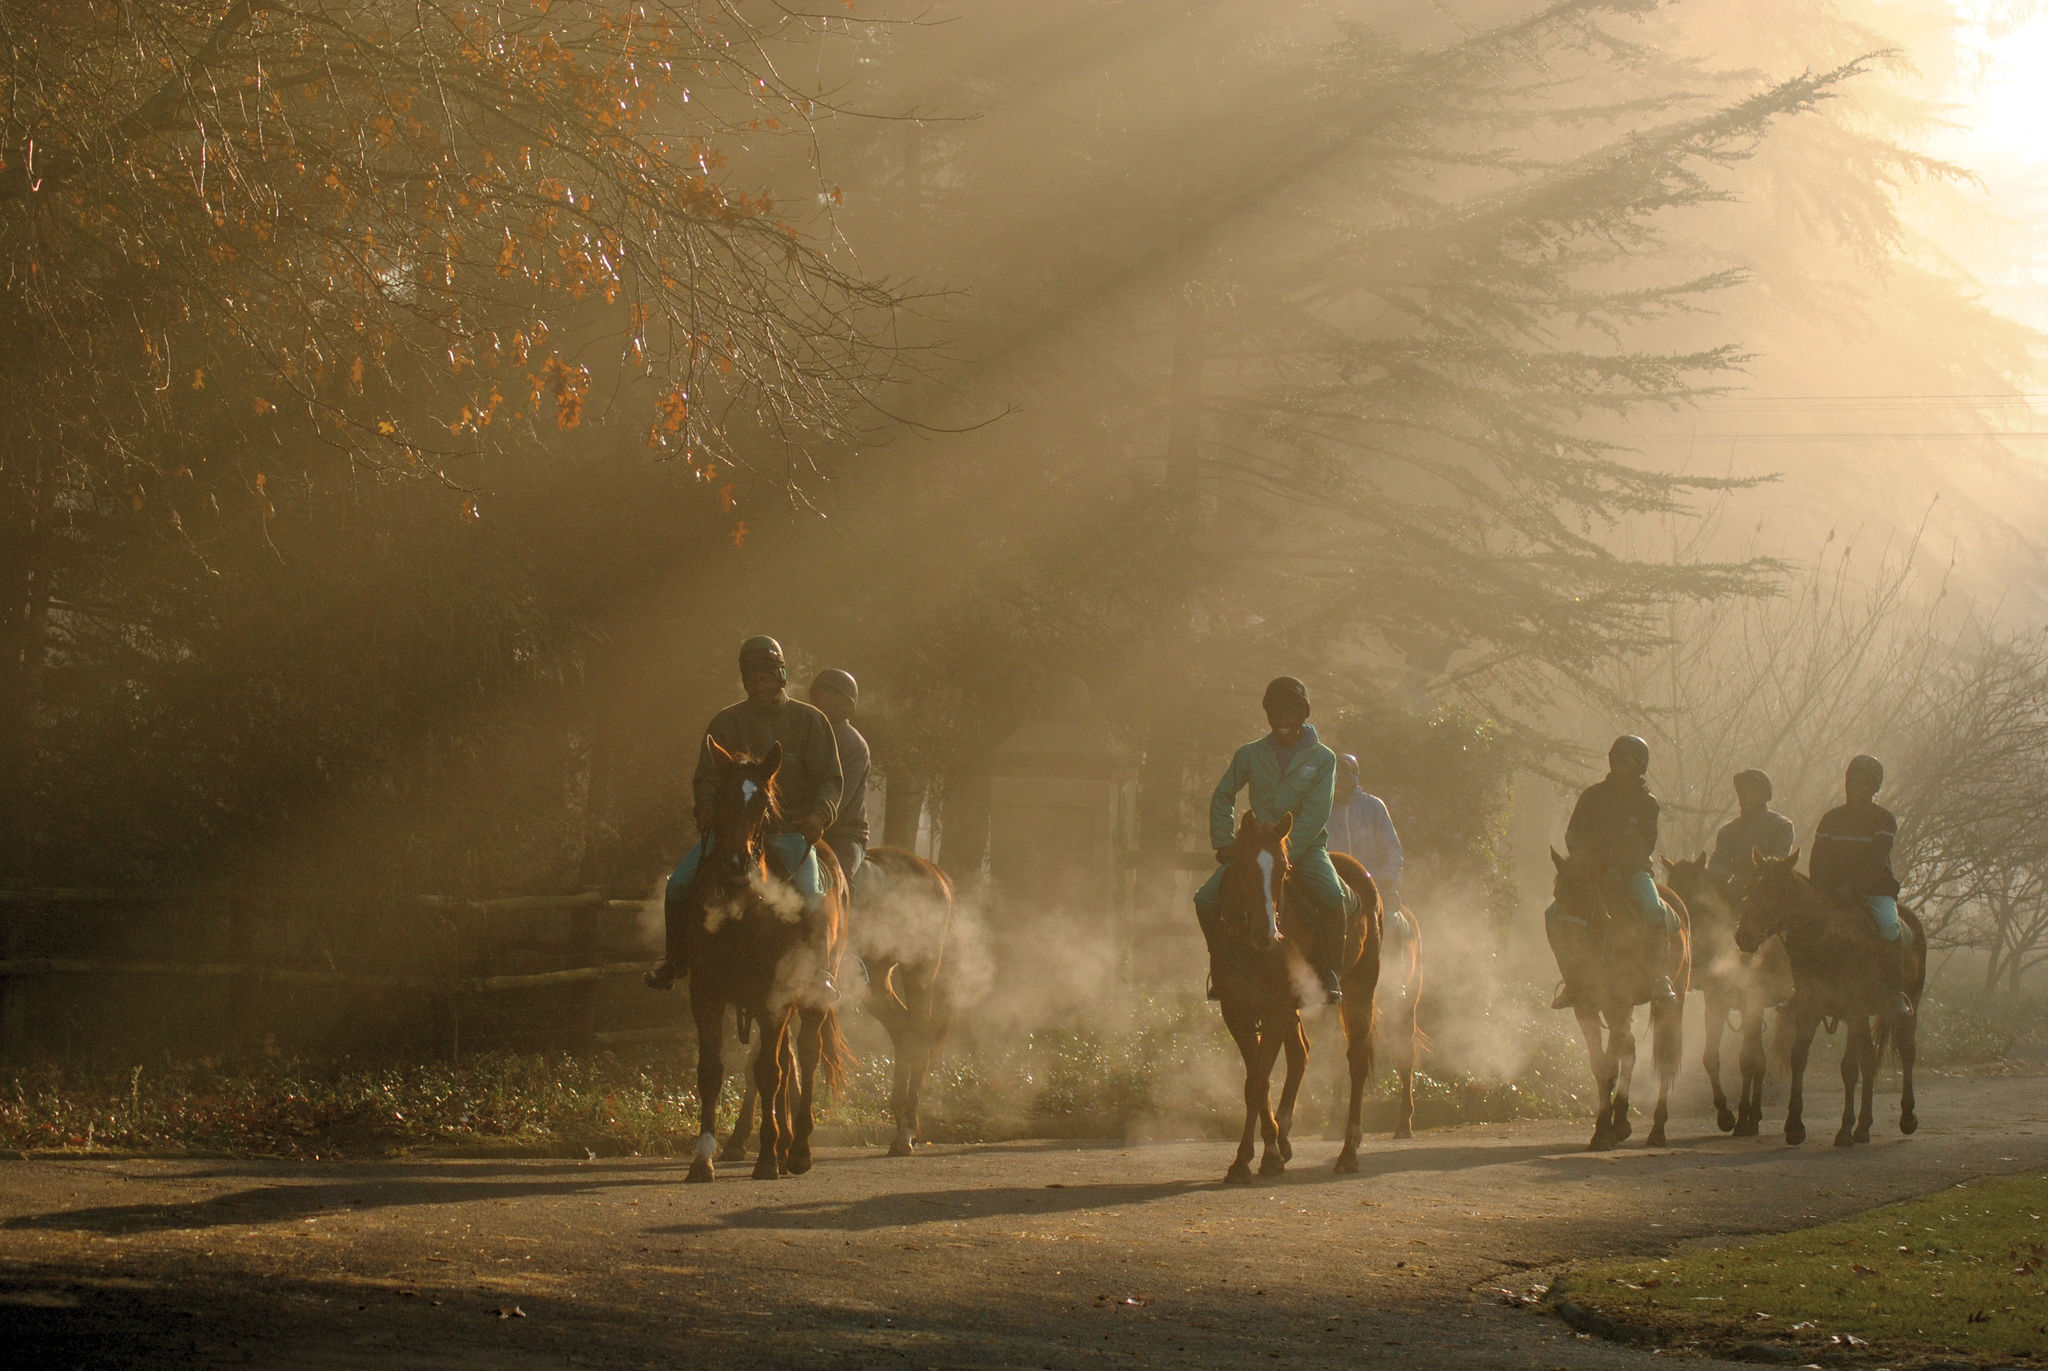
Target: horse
[
  {"x": 1839, "y": 974},
  {"x": 1747, "y": 984},
  {"x": 1400, "y": 990},
  {"x": 906, "y": 928},
  {"x": 1262, "y": 980},
  {"x": 748, "y": 951},
  {"x": 1617, "y": 975}
]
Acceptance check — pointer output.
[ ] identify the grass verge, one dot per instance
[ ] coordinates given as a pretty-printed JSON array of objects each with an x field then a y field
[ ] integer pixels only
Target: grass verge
[{"x": 1963, "y": 1271}]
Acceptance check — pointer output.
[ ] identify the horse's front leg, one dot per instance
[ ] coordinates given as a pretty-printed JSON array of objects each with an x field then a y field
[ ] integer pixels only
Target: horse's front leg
[
  {"x": 1749, "y": 1113},
  {"x": 735, "y": 1149},
  {"x": 1868, "y": 1086},
  {"x": 1621, "y": 1037},
  {"x": 1856, "y": 1030},
  {"x": 1805, "y": 1022},
  {"x": 1603, "y": 1072},
  {"x": 1244, "y": 1029},
  {"x": 1667, "y": 1050},
  {"x": 709, "y": 1015},
  {"x": 1295, "y": 1045},
  {"x": 768, "y": 1079},
  {"x": 1710, "y": 1057},
  {"x": 1903, "y": 1035},
  {"x": 810, "y": 1037}
]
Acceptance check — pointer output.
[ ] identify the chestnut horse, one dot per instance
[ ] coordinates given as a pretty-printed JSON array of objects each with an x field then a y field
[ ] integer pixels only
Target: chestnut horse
[
  {"x": 1838, "y": 969},
  {"x": 1745, "y": 984},
  {"x": 906, "y": 923},
  {"x": 1622, "y": 965},
  {"x": 746, "y": 948},
  {"x": 1263, "y": 979}
]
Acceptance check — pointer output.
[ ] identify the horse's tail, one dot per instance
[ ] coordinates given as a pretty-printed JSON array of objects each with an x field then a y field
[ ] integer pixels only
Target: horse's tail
[{"x": 835, "y": 1054}]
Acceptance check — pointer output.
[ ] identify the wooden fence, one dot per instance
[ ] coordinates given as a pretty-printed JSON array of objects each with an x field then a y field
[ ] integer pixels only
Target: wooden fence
[{"x": 84, "y": 972}]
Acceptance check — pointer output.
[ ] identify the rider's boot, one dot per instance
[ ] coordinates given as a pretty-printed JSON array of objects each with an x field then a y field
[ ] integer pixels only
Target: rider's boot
[
  {"x": 671, "y": 968},
  {"x": 1902, "y": 1003},
  {"x": 1327, "y": 956},
  {"x": 1567, "y": 941}
]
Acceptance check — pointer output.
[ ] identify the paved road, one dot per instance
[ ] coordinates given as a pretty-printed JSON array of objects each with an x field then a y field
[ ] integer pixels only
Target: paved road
[{"x": 1005, "y": 1256}]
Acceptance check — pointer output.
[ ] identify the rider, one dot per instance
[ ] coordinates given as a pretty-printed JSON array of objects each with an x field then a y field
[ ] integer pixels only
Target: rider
[
  {"x": 1758, "y": 828},
  {"x": 807, "y": 791},
  {"x": 1852, "y": 855},
  {"x": 1361, "y": 827},
  {"x": 1289, "y": 772},
  {"x": 1614, "y": 823},
  {"x": 837, "y": 695}
]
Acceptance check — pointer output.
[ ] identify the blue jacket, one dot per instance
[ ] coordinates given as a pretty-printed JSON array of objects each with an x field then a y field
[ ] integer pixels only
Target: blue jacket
[
  {"x": 1361, "y": 827},
  {"x": 1301, "y": 782}
]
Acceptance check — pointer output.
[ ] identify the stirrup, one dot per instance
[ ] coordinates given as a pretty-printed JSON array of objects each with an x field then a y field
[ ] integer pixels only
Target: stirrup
[
  {"x": 1212, "y": 993},
  {"x": 1663, "y": 992},
  {"x": 1333, "y": 988},
  {"x": 1902, "y": 1006},
  {"x": 660, "y": 976},
  {"x": 1564, "y": 998}
]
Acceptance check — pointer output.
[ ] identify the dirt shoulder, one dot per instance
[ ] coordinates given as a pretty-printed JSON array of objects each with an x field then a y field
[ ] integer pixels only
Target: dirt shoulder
[{"x": 1048, "y": 1254}]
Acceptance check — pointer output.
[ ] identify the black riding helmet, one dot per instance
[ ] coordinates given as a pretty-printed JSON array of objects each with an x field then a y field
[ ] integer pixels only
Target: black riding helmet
[
  {"x": 1866, "y": 770},
  {"x": 838, "y": 682},
  {"x": 762, "y": 650},
  {"x": 1285, "y": 690},
  {"x": 1630, "y": 754},
  {"x": 1753, "y": 782}
]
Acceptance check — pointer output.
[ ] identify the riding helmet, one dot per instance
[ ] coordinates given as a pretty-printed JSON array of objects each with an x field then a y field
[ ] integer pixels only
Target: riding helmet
[
  {"x": 1631, "y": 753},
  {"x": 1285, "y": 690},
  {"x": 761, "y": 650},
  {"x": 1867, "y": 769},
  {"x": 1755, "y": 781},
  {"x": 839, "y": 682}
]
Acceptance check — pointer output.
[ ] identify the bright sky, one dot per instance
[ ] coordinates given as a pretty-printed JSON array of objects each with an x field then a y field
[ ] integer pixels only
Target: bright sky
[{"x": 2002, "y": 111}]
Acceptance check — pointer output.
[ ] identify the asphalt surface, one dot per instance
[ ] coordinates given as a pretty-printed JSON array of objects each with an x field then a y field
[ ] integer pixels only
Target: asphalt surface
[{"x": 1052, "y": 1254}]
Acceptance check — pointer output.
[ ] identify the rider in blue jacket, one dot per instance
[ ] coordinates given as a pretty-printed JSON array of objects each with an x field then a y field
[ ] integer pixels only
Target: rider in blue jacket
[{"x": 1287, "y": 772}]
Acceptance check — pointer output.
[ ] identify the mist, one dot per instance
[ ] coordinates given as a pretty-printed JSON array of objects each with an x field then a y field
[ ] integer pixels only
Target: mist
[{"x": 373, "y": 556}]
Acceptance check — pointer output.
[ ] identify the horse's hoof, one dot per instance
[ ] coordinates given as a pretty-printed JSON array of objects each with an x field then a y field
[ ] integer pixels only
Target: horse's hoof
[
  {"x": 1845, "y": 1139},
  {"x": 766, "y": 1169},
  {"x": 1724, "y": 1119},
  {"x": 1863, "y": 1133},
  {"x": 1909, "y": 1123},
  {"x": 700, "y": 1173},
  {"x": 899, "y": 1148},
  {"x": 1602, "y": 1141},
  {"x": 734, "y": 1151},
  {"x": 1347, "y": 1163},
  {"x": 798, "y": 1163},
  {"x": 1656, "y": 1138},
  {"x": 1286, "y": 1149},
  {"x": 1620, "y": 1130},
  {"x": 1747, "y": 1128},
  {"x": 1795, "y": 1133},
  {"x": 1238, "y": 1174},
  {"x": 1271, "y": 1165},
  {"x": 1403, "y": 1131}
]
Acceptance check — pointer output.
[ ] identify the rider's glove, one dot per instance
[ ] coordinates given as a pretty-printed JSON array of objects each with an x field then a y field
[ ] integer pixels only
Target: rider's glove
[
  {"x": 703, "y": 818},
  {"x": 812, "y": 827}
]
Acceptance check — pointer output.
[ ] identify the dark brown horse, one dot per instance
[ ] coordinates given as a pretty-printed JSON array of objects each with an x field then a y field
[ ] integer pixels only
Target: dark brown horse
[
  {"x": 1839, "y": 969},
  {"x": 1623, "y": 963},
  {"x": 1263, "y": 979},
  {"x": 1747, "y": 985},
  {"x": 906, "y": 923},
  {"x": 745, "y": 947}
]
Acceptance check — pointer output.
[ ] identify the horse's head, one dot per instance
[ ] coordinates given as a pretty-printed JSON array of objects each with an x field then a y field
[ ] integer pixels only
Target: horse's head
[
  {"x": 1688, "y": 876},
  {"x": 1577, "y": 887},
  {"x": 1776, "y": 893},
  {"x": 740, "y": 810},
  {"x": 1254, "y": 876}
]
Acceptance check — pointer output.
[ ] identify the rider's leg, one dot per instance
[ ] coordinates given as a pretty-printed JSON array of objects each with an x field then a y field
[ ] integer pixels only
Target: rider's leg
[
  {"x": 1884, "y": 911},
  {"x": 675, "y": 904},
  {"x": 1642, "y": 888},
  {"x": 792, "y": 855},
  {"x": 1208, "y": 901},
  {"x": 1323, "y": 898},
  {"x": 851, "y": 852},
  {"x": 1568, "y": 943}
]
